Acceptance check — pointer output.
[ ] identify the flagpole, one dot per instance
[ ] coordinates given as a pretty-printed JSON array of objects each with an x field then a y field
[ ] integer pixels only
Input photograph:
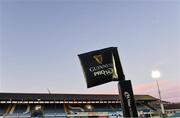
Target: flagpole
[{"x": 125, "y": 90}]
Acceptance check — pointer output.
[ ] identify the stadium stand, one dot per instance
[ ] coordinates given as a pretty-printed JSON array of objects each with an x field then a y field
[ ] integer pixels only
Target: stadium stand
[
  {"x": 26, "y": 105},
  {"x": 2, "y": 109}
]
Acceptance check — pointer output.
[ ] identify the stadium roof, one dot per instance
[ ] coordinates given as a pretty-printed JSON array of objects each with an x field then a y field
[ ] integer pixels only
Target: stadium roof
[
  {"x": 67, "y": 97},
  {"x": 172, "y": 106}
]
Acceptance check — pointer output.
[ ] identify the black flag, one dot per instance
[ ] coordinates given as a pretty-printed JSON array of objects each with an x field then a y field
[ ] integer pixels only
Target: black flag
[{"x": 101, "y": 66}]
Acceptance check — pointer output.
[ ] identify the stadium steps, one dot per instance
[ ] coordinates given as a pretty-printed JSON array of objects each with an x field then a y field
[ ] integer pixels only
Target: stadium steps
[
  {"x": 28, "y": 109},
  {"x": 65, "y": 108},
  {"x": 8, "y": 108},
  {"x": 12, "y": 109}
]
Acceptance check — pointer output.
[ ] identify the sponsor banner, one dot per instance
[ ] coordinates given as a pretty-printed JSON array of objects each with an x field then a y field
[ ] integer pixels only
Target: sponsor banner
[
  {"x": 78, "y": 114},
  {"x": 127, "y": 98},
  {"x": 115, "y": 113},
  {"x": 97, "y": 113},
  {"x": 89, "y": 114},
  {"x": 101, "y": 66}
]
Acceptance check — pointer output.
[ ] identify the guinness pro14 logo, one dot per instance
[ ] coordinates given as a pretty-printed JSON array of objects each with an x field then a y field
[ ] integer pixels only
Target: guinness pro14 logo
[{"x": 101, "y": 69}]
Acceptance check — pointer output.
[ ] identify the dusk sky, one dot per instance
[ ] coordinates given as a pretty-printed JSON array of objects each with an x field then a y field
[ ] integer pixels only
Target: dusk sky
[{"x": 40, "y": 41}]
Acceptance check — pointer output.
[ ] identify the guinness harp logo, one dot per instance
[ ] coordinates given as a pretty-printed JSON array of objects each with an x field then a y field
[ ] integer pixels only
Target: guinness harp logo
[{"x": 98, "y": 58}]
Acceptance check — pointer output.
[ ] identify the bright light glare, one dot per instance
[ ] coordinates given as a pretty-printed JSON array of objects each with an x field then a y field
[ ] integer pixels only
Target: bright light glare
[
  {"x": 155, "y": 74},
  {"x": 89, "y": 107}
]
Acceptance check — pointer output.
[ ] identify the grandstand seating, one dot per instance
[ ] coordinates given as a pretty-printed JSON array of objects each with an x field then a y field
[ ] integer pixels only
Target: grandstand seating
[
  {"x": 66, "y": 105},
  {"x": 20, "y": 108},
  {"x": 14, "y": 110},
  {"x": 57, "y": 110},
  {"x": 102, "y": 107},
  {"x": 53, "y": 109},
  {"x": 2, "y": 109}
]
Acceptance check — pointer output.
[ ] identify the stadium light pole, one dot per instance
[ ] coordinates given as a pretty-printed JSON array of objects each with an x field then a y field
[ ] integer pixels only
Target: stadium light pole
[{"x": 156, "y": 75}]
